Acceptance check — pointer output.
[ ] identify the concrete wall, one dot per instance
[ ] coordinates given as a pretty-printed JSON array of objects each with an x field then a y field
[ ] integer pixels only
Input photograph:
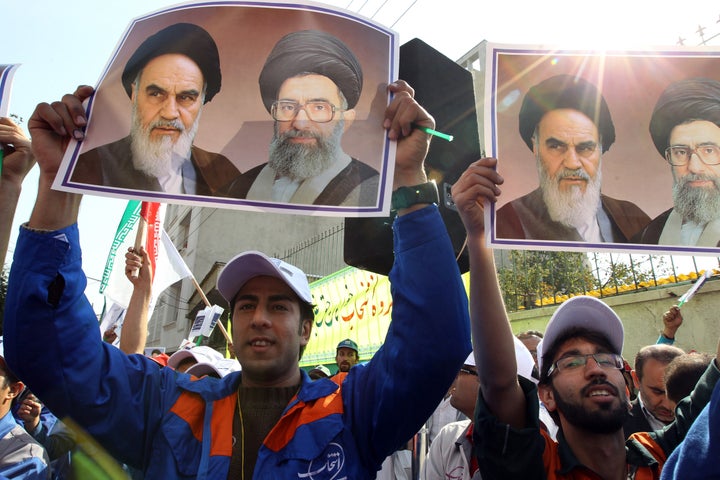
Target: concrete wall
[{"x": 642, "y": 312}]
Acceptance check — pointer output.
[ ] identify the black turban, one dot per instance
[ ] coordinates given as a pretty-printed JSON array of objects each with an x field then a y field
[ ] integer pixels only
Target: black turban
[
  {"x": 565, "y": 91},
  {"x": 692, "y": 99},
  {"x": 183, "y": 38},
  {"x": 315, "y": 52}
]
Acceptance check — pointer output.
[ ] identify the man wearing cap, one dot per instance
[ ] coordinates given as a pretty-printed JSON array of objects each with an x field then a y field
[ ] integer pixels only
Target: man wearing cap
[
  {"x": 268, "y": 420},
  {"x": 685, "y": 128},
  {"x": 169, "y": 78},
  {"x": 346, "y": 355},
  {"x": 581, "y": 381},
  {"x": 310, "y": 84},
  {"x": 450, "y": 454},
  {"x": 21, "y": 457},
  {"x": 566, "y": 123},
  {"x": 320, "y": 371}
]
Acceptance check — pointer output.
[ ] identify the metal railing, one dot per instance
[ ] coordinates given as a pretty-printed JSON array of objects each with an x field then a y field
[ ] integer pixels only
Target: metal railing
[{"x": 318, "y": 256}]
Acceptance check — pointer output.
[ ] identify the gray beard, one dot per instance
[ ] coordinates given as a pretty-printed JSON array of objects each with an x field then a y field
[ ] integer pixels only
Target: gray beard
[
  {"x": 571, "y": 208},
  {"x": 154, "y": 157},
  {"x": 300, "y": 161},
  {"x": 699, "y": 205}
]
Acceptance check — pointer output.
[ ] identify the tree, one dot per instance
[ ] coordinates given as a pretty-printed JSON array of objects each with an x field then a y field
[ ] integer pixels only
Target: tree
[{"x": 533, "y": 275}]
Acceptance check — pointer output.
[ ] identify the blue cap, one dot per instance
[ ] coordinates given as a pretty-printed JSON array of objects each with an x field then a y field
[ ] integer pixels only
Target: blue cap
[{"x": 347, "y": 343}]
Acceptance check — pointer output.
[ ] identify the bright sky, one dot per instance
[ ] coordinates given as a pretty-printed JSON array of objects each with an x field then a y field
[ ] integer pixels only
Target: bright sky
[{"x": 62, "y": 44}]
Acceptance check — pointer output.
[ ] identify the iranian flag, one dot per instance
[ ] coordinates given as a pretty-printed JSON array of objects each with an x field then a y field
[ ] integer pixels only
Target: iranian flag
[{"x": 141, "y": 224}]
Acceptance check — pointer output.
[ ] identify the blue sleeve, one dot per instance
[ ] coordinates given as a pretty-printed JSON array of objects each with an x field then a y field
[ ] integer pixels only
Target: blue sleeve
[
  {"x": 663, "y": 340},
  {"x": 390, "y": 398},
  {"x": 29, "y": 469},
  {"x": 697, "y": 456},
  {"x": 53, "y": 343}
]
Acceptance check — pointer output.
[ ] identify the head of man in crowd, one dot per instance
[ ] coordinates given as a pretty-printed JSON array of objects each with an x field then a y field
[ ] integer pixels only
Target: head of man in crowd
[
  {"x": 310, "y": 85},
  {"x": 580, "y": 363},
  {"x": 319, "y": 371},
  {"x": 649, "y": 378},
  {"x": 169, "y": 78},
  {"x": 272, "y": 316},
  {"x": 685, "y": 128},
  {"x": 683, "y": 373},
  {"x": 531, "y": 339},
  {"x": 10, "y": 387},
  {"x": 186, "y": 358},
  {"x": 346, "y": 355},
  {"x": 566, "y": 123}
]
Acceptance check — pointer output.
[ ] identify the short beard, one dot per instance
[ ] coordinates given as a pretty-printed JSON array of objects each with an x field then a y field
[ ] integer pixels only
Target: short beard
[
  {"x": 154, "y": 157},
  {"x": 571, "y": 208},
  {"x": 608, "y": 420},
  {"x": 697, "y": 204},
  {"x": 300, "y": 161}
]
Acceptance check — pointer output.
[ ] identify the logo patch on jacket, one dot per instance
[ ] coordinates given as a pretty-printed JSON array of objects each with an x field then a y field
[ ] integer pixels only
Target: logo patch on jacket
[{"x": 328, "y": 466}]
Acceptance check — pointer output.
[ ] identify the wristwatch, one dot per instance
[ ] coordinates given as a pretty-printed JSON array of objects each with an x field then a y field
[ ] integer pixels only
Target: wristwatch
[{"x": 404, "y": 197}]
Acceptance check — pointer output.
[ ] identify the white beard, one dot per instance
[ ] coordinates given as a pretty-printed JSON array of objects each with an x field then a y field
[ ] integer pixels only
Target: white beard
[
  {"x": 154, "y": 157},
  {"x": 699, "y": 205},
  {"x": 573, "y": 207}
]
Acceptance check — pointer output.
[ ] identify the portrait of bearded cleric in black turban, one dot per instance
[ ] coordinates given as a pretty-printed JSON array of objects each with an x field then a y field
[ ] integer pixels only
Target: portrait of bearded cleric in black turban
[
  {"x": 168, "y": 80},
  {"x": 247, "y": 107}
]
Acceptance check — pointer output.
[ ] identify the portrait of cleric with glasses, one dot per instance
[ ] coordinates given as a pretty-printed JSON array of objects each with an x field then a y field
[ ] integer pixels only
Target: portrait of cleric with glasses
[
  {"x": 310, "y": 85},
  {"x": 685, "y": 128}
]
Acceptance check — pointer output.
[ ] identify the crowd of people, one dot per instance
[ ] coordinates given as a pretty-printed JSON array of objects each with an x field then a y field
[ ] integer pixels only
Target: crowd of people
[{"x": 562, "y": 403}]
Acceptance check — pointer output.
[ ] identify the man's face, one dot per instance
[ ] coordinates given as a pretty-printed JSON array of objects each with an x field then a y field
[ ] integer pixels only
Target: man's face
[
  {"x": 302, "y": 148},
  {"x": 464, "y": 393},
  {"x": 531, "y": 342},
  {"x": 567, "y": 150},
  {"x": 652, "y": 390},
  {"x": 346, "y": 358},
  {"x": 170, "y": 89},
  {"x": 696, "y": 189},
  {"x": 167, "y": 102},
  {"x": 588, "y": 397},
  {"x": 268, "y": 332}
]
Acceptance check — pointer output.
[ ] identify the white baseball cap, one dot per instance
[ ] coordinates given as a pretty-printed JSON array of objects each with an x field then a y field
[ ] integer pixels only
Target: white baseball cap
[
  {"x": 218, "y": 369},
  {"x": 202, "y": 354},
  {"x": 523, "y": 358},
  {"x": 584, "y": 312},
  {"x": 248, "y": 265}
]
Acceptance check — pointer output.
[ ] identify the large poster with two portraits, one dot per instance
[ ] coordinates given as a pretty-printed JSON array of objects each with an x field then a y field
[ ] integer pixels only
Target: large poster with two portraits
[
  {"x": 263, "y": 106},
  {"x": 605, "y": 150}
]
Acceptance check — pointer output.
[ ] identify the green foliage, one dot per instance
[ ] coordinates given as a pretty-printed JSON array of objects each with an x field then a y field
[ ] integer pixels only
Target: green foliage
[{"x": 528, "y": 276}]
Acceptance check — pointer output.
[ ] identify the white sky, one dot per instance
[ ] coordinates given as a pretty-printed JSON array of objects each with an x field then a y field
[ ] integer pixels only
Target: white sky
[{"x": 62, "y": 44}]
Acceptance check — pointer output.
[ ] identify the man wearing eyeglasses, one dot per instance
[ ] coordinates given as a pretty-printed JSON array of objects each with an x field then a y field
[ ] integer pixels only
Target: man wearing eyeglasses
[
  {"x": 566, "y": 123},
  {"x": 685, "y": 128},
  {"x": 581, "y": 378},
  {"x": 310, "y": 85}
]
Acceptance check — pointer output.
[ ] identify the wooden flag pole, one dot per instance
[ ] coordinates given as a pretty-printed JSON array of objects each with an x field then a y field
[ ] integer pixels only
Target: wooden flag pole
[{"x": 207, "y": 303}]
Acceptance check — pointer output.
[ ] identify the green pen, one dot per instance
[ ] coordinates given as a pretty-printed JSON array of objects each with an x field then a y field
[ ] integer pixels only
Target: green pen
[{"x": 434, "y": 133}]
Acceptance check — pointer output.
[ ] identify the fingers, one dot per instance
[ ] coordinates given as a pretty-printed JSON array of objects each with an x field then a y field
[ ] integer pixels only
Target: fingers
[
  {"x": 64, "y": 117},
  {"x": 403, "y": 111},
  {"x": 134, "y": 259},
  {"x": 480, "y": 179}
]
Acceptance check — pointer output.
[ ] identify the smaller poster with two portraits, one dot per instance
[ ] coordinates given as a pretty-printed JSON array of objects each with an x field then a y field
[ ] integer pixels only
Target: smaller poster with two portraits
[{"x": 611, "y": 150}]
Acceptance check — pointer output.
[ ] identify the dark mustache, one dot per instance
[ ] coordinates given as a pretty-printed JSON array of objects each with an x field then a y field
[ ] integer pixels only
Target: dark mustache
[{"x": 598, "y": 382}]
